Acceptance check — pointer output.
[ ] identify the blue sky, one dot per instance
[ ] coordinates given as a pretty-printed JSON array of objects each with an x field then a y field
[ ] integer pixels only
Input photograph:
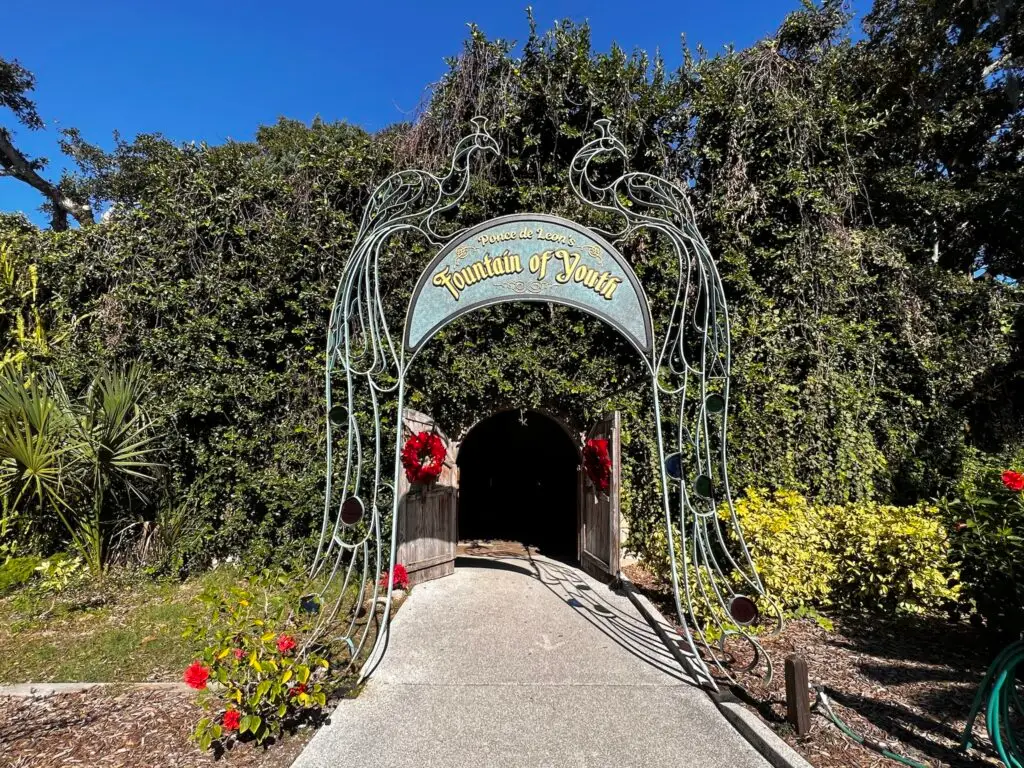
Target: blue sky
[{"x": 214, "y": 70}]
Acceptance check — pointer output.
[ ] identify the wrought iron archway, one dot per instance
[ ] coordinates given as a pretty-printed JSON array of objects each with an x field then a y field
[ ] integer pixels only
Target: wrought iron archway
[{"x": 713, "y": 579}]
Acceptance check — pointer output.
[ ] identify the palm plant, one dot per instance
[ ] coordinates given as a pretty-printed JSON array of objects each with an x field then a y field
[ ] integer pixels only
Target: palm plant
[{"x": 77, "y": 459}]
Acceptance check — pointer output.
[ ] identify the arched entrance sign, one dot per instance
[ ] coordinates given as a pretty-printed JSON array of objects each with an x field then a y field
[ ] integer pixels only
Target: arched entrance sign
[
  {"x": 534, "y": 257},
  {"x": 529, "y": 257}
]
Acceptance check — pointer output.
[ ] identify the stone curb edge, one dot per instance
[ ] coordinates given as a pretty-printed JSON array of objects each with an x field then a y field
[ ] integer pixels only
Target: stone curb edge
[
  {"x": 762, "y": 738},
  {"x": 42, "y": 690}
]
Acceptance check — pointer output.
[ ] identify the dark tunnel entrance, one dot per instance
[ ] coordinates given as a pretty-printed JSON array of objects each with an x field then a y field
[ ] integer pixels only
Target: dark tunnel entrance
[{"x": 517, "y": 482}]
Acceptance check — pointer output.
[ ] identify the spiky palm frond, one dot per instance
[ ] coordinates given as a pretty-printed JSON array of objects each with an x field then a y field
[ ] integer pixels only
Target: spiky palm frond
[
  {"x": 119, "y": 432},
  {"x": 34, "y": 458},
  {"x": 72, "y": 457}
]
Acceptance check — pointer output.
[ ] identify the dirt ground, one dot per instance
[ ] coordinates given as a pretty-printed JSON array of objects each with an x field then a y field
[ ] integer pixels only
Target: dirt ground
[
  {"x": 116, "y": 729},
  {"x": 907, "y": 682}
]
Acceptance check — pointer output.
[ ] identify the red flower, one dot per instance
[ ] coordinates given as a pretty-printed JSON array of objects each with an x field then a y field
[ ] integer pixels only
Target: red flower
[
  {"x": 239, "y": 653},
  {"x": 597, "y": 463},
  {"x": 196, "y": 676},
  {"x": 231, "y": 718},
  {"x": 299, "y": 689},
  {"x": 285, "y": 643},
  {"x": 1013, "y": 480},
  {"x": 400, "y": 579},
  {"x": 423, "y": 457}
]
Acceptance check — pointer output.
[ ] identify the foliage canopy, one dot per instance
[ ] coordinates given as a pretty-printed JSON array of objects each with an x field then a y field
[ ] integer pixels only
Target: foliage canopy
[{"x": 861, "y": 198}]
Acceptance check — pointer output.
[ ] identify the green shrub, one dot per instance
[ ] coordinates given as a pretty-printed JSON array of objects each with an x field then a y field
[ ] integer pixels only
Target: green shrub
[
  {"x": 864, "y": 556},
  {"x": 988, "y": 548},
  {"x": 60, "y": 573},
  {"x": 16, "y": 572},
  {"x": 255, "y": 651},
  {"x": 889, "y": 557}
]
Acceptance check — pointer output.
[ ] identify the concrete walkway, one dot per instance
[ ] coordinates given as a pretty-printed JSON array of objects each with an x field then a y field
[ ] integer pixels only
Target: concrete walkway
[{"x": 524, "y": 662}]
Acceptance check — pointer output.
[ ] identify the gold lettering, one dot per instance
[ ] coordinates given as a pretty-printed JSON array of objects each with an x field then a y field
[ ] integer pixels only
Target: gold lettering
[
  {"x": 569, "y": 264},
  {"x": 613, "y": 283},
  {"x": 444, "y": 279},
  {"x": 482, "y": 269},
  {"x": 544, "y": 259}
]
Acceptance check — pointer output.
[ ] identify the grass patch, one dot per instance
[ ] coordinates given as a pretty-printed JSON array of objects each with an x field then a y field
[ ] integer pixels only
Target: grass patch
[
  {"x": 128, "y": 628},
  {"x": 124, "y": 629}
]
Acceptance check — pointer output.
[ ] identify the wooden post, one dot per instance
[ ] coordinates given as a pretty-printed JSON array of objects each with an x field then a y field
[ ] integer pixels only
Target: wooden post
[{"x": 798, "y": 700}]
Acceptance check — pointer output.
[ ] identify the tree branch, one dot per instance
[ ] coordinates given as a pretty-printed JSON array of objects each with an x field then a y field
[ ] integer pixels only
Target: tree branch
[{"x": 15, "y": 164}]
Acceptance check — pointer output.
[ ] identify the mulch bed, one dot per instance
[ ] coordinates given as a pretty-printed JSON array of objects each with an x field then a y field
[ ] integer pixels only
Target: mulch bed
[
  {"x": 131, "y": 727},
  {"x": 907, "y": 682},
  {"x": 123, "y": 728}
]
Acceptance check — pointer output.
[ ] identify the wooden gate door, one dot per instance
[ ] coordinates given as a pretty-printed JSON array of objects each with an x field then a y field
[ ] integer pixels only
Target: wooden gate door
[
  {"x": 427, "y": 517},
  {"x": 599, "y": 513}
]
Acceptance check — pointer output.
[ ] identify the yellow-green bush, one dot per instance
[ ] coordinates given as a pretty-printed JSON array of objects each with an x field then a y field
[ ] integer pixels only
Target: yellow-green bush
[
  {"x": 890, "y": 557},
  {"x": 789, "y": 540},
  {"x": 861, "y": 556}
]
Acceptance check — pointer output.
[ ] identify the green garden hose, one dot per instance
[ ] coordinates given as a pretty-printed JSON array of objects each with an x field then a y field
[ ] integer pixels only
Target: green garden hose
[
  {"x": 999, "y": 696},
  {"x": 822, "y": 705}
]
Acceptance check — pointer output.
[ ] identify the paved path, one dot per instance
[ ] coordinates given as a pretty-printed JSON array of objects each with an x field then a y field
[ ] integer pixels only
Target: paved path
[{"x": 521, "y": 663}]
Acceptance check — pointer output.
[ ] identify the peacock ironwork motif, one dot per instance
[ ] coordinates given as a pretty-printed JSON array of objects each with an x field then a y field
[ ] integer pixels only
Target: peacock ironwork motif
[
  {"x": 714, "y": 584},
  {"x": 713, "y": 574}
]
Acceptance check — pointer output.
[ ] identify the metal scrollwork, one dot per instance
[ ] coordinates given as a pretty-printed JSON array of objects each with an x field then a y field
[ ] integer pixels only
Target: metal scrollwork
[
  {"x": 691, "y": 364},
  {"x": 366, "y": 365}
]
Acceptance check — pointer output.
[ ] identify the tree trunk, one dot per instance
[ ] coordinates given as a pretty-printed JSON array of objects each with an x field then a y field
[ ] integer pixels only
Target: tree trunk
[{"x": 17, "y": 165}]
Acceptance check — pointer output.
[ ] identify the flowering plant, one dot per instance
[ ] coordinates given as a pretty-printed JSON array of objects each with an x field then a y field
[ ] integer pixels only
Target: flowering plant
[
  {"x": 988, "y": 547},
  {"x": 253, "y": 655},
  {"x": 400, "y": 578},
  {"x": 1014, "y": 481},
  {"x": 597, "y": 463},
  {"x": 423, "y": 457}
]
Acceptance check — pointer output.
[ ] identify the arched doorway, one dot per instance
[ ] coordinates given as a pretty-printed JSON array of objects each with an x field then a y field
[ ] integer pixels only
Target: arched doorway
[{"x": 518, "y": 482}]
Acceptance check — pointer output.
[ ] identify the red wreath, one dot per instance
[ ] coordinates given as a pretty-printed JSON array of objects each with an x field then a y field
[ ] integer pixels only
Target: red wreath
[
  {"x": 423, "y": 458},
  {"x": 597, "y": 463}
]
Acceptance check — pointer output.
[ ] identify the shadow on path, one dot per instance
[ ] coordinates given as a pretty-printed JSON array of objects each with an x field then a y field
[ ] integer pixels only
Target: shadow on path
[{"x": 628, "y": 630}]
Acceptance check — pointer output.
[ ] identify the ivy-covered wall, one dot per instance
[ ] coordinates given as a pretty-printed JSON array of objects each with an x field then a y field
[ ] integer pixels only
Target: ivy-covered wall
[{"x": 863, "y": 368}]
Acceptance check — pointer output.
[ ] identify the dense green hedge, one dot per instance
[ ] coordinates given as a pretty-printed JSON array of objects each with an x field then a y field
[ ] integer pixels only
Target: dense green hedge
[{"x": 863, "y": 371}]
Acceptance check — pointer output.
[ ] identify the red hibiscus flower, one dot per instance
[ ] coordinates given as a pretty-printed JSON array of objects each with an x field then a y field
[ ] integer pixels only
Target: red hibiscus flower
[
  {"x": 196, "y": 676},
  {"x": 1013, "y": 480},
  {"x": 285, "y": 643},
  {"x": 400, "y": 580},
  {"x": 231, "y": 718},
  {"x": 239, "y": 653},
  {"x": 299, "y": 689}
]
